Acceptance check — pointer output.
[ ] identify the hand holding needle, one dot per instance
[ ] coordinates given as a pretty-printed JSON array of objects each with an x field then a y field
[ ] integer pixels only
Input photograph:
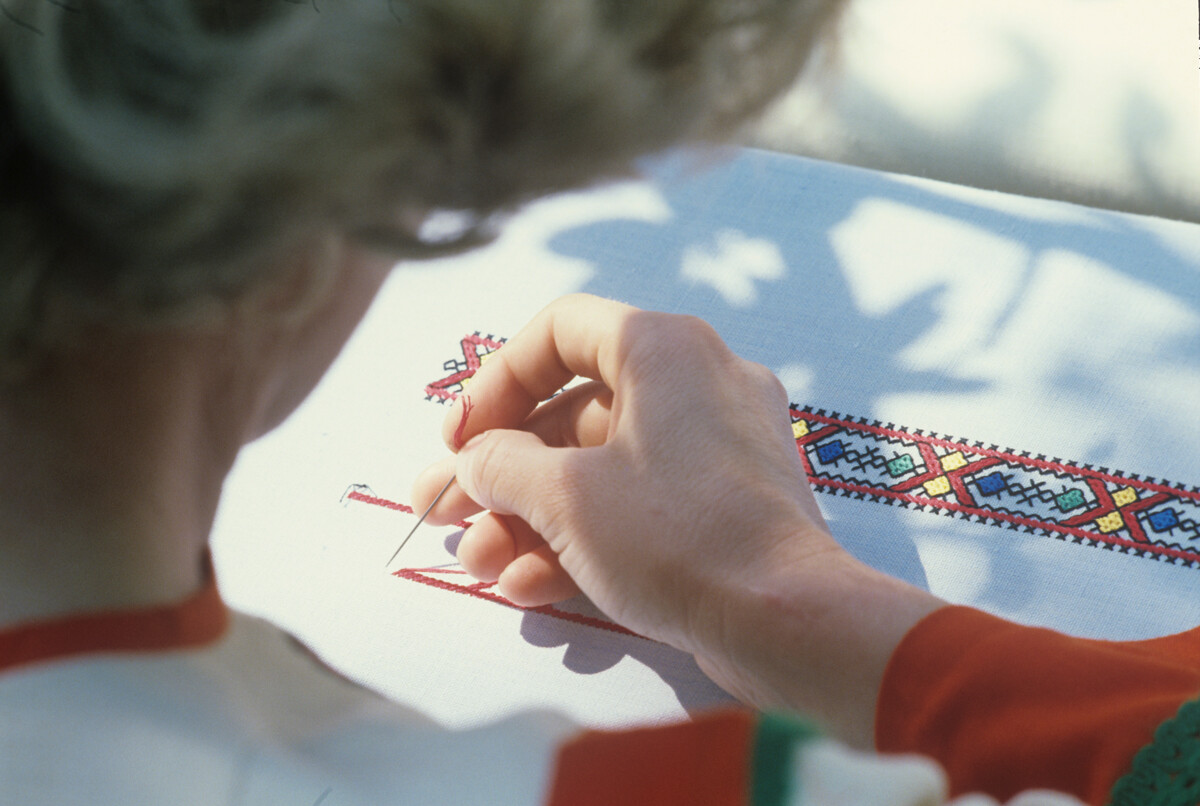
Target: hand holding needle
[{"x": 420, "y": 520}]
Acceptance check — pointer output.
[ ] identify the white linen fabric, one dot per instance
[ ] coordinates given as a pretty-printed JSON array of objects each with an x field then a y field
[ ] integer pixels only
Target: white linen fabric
[
  {"x": 1000, "y": 323},
  {"x": 251, "y": 720}
]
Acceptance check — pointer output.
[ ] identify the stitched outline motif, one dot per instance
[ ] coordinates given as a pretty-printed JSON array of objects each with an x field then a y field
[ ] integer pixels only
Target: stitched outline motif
[
  {"x": 448, "y": 578},
  {"x": 889, "y": 464},
  {"x": 443, "y": 578},
  {"x": 476, "y": 349}
]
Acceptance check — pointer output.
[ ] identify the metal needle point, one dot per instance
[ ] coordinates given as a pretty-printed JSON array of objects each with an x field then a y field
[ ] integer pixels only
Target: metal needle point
[{"x": 421, "y": 520}]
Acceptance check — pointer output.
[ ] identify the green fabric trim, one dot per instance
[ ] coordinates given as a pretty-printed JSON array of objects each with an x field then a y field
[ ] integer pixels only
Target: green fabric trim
[
  {"x": 775, "y": 740},
  {"x": 1166, "y": 772}
]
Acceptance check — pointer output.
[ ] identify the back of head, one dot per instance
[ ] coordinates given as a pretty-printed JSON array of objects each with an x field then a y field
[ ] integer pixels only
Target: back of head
[{"x": 158, "y": 157}]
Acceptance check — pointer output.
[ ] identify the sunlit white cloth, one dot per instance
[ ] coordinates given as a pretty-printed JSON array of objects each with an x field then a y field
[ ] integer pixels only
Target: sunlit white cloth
[
  {"x": 913, "y": 318},
  {"x": 1096, "y": 103}
]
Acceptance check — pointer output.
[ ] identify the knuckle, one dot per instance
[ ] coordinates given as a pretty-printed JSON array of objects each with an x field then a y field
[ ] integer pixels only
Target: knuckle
[
  {"x": 772, "y": 393},
  {"x": 569, "y": 301},
  {"x": 688, "y": 338},
  {"x": 697, "y": 331},
  {"x": 769, "y": 382}
]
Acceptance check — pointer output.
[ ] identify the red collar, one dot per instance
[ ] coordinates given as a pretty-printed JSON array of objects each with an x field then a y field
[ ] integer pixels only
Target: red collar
[{"x": 196, "y": 621}]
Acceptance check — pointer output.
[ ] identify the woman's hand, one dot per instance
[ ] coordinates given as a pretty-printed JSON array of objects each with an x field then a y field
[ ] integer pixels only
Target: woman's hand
[
  {"x": 668, "y": 488},
  {"x": 679, "y": 475}
]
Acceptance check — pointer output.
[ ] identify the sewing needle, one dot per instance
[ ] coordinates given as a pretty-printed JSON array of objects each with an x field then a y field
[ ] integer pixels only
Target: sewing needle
[{"x": 421, "y": 520}]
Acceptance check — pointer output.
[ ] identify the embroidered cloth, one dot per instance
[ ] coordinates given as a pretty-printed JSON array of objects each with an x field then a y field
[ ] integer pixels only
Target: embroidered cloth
[{"x": 994, "y": 396}]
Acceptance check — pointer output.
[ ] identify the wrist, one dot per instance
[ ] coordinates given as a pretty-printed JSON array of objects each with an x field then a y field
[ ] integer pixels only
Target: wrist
[{"x": 814, "y": 634}]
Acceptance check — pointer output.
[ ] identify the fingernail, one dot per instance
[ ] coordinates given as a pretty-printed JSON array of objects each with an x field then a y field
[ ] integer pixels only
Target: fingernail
[{"x": 465, "y": 403}]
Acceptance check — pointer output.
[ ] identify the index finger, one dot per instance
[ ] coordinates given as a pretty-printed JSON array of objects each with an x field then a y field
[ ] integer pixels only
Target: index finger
[{"x": 573, "y": 336}]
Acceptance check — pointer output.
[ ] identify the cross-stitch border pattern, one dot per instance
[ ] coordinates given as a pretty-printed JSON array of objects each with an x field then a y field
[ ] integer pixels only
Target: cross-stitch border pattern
[
  {"x": 982, "y": 483},
  {"x": 889, "y": 464}
]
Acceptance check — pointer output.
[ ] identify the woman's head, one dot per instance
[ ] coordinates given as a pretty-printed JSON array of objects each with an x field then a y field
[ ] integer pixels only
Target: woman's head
[{"x": 160, "y": 159}]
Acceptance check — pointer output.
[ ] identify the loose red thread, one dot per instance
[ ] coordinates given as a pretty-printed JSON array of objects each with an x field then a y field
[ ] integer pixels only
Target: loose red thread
[
  {"x": 462, "y": 424},
  {"x": 481, "y": 590}
]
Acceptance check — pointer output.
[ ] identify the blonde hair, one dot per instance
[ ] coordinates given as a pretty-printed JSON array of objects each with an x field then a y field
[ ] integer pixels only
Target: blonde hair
[{"x": 156, "y": 155}]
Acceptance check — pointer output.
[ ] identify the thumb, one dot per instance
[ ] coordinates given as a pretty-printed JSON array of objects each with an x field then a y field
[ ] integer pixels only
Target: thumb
[{"x": 510, "y": 472}]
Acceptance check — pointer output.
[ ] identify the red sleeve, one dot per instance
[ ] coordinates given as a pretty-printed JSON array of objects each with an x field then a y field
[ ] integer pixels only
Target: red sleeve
[
  {"x": 1006, "y": 708},
  {"x": 725, "y": 758},
  {"x": 705, "y": 761}
]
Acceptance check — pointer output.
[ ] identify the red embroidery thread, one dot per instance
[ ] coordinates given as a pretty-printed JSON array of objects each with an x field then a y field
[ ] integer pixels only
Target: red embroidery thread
[
  {"x": 358, "y": 495},
  {"x": 462, "y": 424},
  {"x": 475, "y": 350},
  {"x": 1036, "y": 494},
  {"x": 483, "y": 590},
  {"x": 479, "y": 590},
  {"x": 1069, "y": 501}
]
